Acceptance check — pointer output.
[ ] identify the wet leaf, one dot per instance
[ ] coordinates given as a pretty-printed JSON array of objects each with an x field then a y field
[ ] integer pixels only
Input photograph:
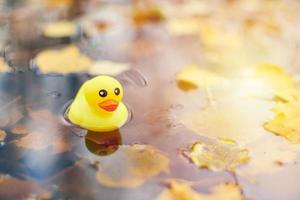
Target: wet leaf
[
  {"x": 108, "y": 68},
  {"x": 2, "y": 135},
  {"x": 130, "y": 166},
  {"x": 194, "y": 77},
  {"x": 225, "y": 154},
  {"x": 286, "y": 122},
  {"x": 183, "y": 191},
  {"x": 60, "y": 29},
  {"x": 22, "y": 189},
  {"x": 66, "y": 60}
]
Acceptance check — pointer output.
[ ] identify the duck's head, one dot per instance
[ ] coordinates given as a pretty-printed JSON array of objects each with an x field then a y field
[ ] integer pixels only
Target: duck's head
[{"x": 103, "y": 93}]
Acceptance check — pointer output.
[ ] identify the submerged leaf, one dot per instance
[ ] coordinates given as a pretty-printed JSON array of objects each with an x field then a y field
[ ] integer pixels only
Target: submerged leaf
[
  {"x": 131, "y": 166},
  {"x": 220, "y": 156},
  {"x": 66, "y": 60},
  {"x": 183, "y": 191}
]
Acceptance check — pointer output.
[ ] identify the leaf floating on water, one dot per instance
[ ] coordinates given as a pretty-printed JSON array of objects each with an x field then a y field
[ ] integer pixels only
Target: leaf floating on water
[
  {"x": 223, "y": 155},
  {"x": 131, "y": 166},
  {"x": 286, "y": 122},
  {"x": 192, "y": 77},
  {"x": 60, "y": 29},
  {"x": 21, "y": 189},
  {"x": 2, "y": 135},
  {"x": 66, "y": 60},
  {"x": 183, "y": 191},
  {"x": 108, "y": 68}
]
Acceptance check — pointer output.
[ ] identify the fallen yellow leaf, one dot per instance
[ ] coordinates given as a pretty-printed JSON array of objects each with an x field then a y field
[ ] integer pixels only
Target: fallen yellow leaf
[
  {"x": 131, "y": 165},
  {"x": 66, "y": 60},
  {"x": 60, "y": 29},
  {"x": 183, "y": 191},
  {"x": 193, "y": 77},
  {"x": 225, "y": 154},
  {"x": 286, "y": 122}
]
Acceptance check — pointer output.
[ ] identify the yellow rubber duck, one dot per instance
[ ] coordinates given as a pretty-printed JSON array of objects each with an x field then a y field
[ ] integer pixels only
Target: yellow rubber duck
[{"x": 98, "y": 105}]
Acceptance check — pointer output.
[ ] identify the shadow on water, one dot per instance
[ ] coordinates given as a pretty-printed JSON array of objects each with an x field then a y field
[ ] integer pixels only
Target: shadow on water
[{"x": 104, "y": 143}]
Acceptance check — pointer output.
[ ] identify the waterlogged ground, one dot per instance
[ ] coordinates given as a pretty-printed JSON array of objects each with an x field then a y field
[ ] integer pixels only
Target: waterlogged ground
[{"x": 212, "y": 88}]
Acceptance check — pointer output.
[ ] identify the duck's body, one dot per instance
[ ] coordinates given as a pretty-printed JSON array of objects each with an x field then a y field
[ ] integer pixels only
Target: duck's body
[{"x": 93, "y": 112}]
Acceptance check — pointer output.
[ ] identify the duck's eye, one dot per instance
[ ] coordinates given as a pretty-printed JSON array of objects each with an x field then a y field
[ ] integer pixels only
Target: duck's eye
[
  {"x": 117, "y": 91},
  {"x": 103, "y": 93}
]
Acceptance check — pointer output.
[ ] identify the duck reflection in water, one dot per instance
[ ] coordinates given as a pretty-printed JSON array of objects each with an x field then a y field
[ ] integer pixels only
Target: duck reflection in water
[{"x": 104, "y": 143}]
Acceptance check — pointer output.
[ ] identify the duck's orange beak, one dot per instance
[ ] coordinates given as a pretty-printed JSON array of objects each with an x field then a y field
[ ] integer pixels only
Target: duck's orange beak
[{"x": 108, "y": 105}]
